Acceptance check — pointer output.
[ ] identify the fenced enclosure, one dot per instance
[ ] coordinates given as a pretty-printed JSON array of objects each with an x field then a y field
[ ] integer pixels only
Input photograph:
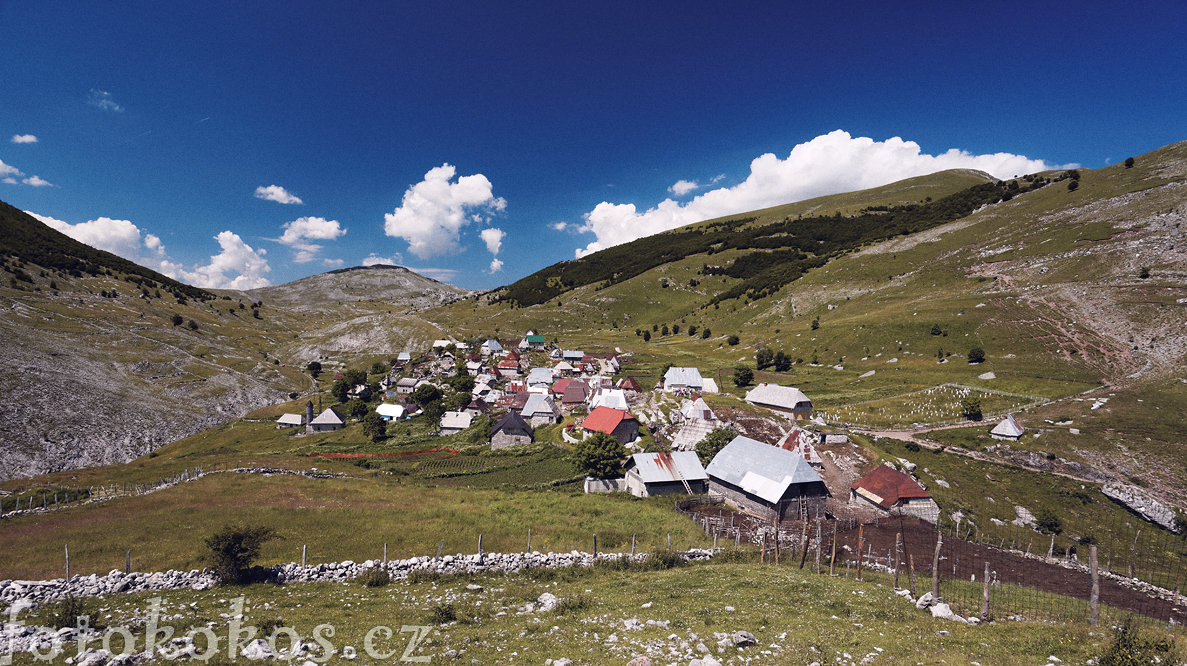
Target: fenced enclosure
[{"x": 1054, "y": 582}]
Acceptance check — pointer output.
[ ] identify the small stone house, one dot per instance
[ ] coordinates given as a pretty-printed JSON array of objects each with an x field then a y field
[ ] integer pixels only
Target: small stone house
[
  {"x": 617, "y": 423},
  {"x": 540, "y": 409},
  {"x": 1008, "y": 429},
  {"x": 327, "y": 421},
  {"x": 784, "y": 399},
  {"x": 455, "y": 422},
  {"x": 894, "y": 493},
  {"x": 510, "y": 431}
]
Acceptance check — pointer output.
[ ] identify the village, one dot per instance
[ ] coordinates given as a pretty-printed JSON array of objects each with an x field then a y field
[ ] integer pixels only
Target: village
[{"x": 773, "y": 463}]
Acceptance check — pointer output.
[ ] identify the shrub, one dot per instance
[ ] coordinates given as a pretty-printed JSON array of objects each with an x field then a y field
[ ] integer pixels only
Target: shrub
[
  {"x": 1129, "y": 163},
  {"x": 970, "y": 407},
  {"x": 177, "y": 320},
  {"x": 71, "y": 612},
  {"x": 976, "y": 355},
  {"x": 664, "y": 559},
  {"x": 1145, "y": 273},
  {"x": 571, "y": 604},
  {"x": 193, "y": 325},
  {"x": 1130, "y": 648},
  {"x": 713, "y": 442},
  {"x": 232, "y": 550},
  {"x": 1047, "y": 521},
  {"x": 374, "y": 577},
  {"x": 816, "y": 323},
  {"x": 442, "y": 614},
  {"x": 743, "y": 376},
  {"x": 732, "y": 340},
  {"x": 913, "y": 447}
]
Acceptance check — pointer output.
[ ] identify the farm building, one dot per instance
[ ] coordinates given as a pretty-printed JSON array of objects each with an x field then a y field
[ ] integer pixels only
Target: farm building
[
  {"x": 327, "y": 421},
  {"x": 614, "y": 422},
  {"x": 630, "y": 384},
  {"x": 532, "y": 341},
  {"x": 491, "y": 347},
  {"x": 508, "y": 368},
  {"x": 697, "y": 410},
  {"x": 666, "y": 473},
  {"x": 781, "y": 399},
  {"x": 455, "y": 422},
  {"x": 477, "y": 407},
  {"x": 612, "y": 398},
  {"x": 683, "y": 379},
  {"x": 509, "y": 431},
  {"x": 1007, "y": 429},
  {"x": 540, "y": 409},
  {"x": 894, "y": 493},
  {"x": 403, "y": 357},
  {"x": 541, "y": 377},
  {"x": 405, "y": 385},
  {"x": 766, "y": 481},
  {"x": 391, "y": 412},
  {"x": 576, "y": 393},
  {"x": 290, "y": 421}
]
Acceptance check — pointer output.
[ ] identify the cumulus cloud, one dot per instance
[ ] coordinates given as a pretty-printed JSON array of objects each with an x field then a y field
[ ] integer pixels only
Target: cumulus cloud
[
  {"x": 433, "y": 211},
  {"x": 830, "y": 163},
  {"x": 493, "y": 238},
  {"x": 683, "y": 187},
  {"x": 10, "y": 180},
  {"x": 24, "y": 138},
  {"x": 36, "y": 181},
  {"x": 332, "y": 263},
  {"x": 496, "y": 265},
  {"x": 101, "y": 99},
  {"x": 9, "y": 170},
  {"x": 300, "y": 233},
  {"x": 119, "y": 237},
  {"x": 236, "y": 266},
  {"x": 278, "y": 194},
  {"x": 440, "y": 274},
  {"x": 376, "y": 260},
  {"x": 559, "y": 226}
]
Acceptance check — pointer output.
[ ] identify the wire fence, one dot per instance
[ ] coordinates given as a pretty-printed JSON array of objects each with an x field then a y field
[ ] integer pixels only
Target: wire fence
[{"x": 979, "y": 574}]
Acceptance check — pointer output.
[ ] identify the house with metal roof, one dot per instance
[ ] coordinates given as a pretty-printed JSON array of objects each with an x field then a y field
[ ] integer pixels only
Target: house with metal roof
[
  {"x": 540, "y": 409},
  {"x": 539, "y": 377},
  {"x": 613, "y": 398},
  {"x": 327, "y": 421},
  {"x": 455, "y": 422},
  {"x": 665, "y": 473},
  {"x": 391, "y": 412},
  {"x": 290, "y": 421},
  {"x": 697, "y": 409},
  {"x": 894, "y": 493},
  {"x": 509, "y": 431},
  {"x": 683, "y": 379},
  {"x": 803, "y": 442},
  {"x": 617, "y": 423},
  {"x": 1007, "y": 429},
  {"x": 533, "y": 341},
  {"x": 572, "y": 355},
  {"x": 405, "y": 385},
  {"x": 786, "y": 399},
  {"x": 766, "y": 481},
  {"x": 491, "y": 347}
]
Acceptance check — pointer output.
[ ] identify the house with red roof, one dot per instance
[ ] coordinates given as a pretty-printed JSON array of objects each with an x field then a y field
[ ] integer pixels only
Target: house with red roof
[
  {"x": 617, "y": 423},
  {"x": 630, "y": 384},
  {"x": 894, "y": 493}
]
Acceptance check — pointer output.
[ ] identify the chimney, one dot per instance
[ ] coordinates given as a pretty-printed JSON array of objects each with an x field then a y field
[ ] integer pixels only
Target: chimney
[{"x": 308, "y": 412}]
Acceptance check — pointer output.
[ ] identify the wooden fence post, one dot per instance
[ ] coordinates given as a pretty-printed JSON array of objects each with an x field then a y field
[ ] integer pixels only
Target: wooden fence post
[
  {"x": 595, "y": 551},
  {"x": 633, "y": 545},
  {"x": 303, "y": 548},
  {"x": 128, "y": 562},
  {"x": 669, "y": 541},
  {"x": 935, "y": 567},
  {"x": 818, "y": 537},
  {"x": 385, "y": 553},
  {"x": 832, "y": 562},
  {"x": 1094, "y": 596},
  {"x": 861, "y": 530},
  {"x": 479, "y": 547},
  {"x": 898, "y": 545},
  {"x": 67, "y": 563},
  {"x": 439, "y": 547},
  {"x": 985, "y": 596},
  {"x": 529, "y": 539},
  {"x": 911, "y": 572}
]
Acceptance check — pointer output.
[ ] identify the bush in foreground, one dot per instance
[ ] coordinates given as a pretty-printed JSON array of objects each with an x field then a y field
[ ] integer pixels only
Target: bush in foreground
[{"x": 233, "y": 550}]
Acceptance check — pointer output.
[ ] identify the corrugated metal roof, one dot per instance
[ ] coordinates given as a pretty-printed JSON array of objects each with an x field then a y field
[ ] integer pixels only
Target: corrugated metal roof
[
  {"x": 328, "y": 417},
  {"x": 540, "y": 376},
  {"x": 1008, "y": 428},
  {"x": 512, "y": 423},
  {"x": 388, "y": 409},
  {"x": 605, "y": 419},
  {"x": 683, "y": 377},
  {"x": 538, "y": 403},
  {"x": 887, "y": 487},
  {"x": 786, "y": 397},
  {"x": 460, "y": 420},
  {"x": 291, "y": 419},
  {"x": 760, "y": 469},
  {"x": 663, "y": 467}
]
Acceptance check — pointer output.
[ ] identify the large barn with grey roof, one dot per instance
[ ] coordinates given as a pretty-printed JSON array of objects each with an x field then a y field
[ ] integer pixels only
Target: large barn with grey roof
[{"x": 766, "y": 481}]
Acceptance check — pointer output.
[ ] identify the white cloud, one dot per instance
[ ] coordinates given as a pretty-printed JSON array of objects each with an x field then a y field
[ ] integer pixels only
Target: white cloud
[
  {"x": 434, "y": 210},
  {"x": 830, "y": 163},
  {"x": 237, "y": 266},
  {"x": 440, "y": 274},
  {"x": 101, "y": 99},
  {"x": 24, "y": 138},
  {"x": 9, "y": 170},
  {"x": 119, "y": 237},
  {"x": 376, "y": 260},
  {"x": 10, "y": 180},
  {"x": 299, "y": 233},
  {"x": 278, "y": 194},
  {"x": 496, "y": 265},
  {"x": 36, "y": 181},
  {"x": 493, "y": 238},
  {"x": 683, "y": 187},
  {"x": 332, "y": 263},
  {"x": 559, "y": 226}
]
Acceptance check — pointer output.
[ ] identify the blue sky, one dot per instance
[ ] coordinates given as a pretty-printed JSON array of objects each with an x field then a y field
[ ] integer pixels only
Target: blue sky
[{"x": 480, "y": 142}]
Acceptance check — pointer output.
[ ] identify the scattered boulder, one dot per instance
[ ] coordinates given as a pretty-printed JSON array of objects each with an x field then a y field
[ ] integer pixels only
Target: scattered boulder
[
  {"x": 743, "y": 638},
  {"x": 1140, "y": 502}
]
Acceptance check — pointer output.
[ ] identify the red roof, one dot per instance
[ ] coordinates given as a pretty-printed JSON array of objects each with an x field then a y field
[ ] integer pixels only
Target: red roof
[
  {"x": 509, "y": 365},
  {"x": 559, "y": 387},
  {"x": 891, "y": 485},
  {"x": 629, "y": 384},
  {"x": 606, "y": 419},
  {"x": 511, "y": 355}
]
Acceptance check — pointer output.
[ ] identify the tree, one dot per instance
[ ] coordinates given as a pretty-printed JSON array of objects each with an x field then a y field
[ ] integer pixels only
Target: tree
[
  {"x": 378, "y": 368},
  {"x": 970, "y": 407},
  {"x": 177, "y": 320},
  {"x": 1145, "y": 273},
  {"x": 1047, "y": 521},
  {"x": 425, "y": 394},
  {"x": 714, "y": 442},
  {"x": 1129, "y": 163},
  {"x": 599, "y": 456},
  {"x": 743, "y": 376},
  {"x": 193, "y": 325},
  {"x": 692, "y": 330},
  {"x": 732, "y": 340},
  {"x": 675, "y": 329},
  {"x": 354, "y": 377},
  {"x": 374, "y": 426},
  {"x": 816, "y": 323},
  {"x": 647, "y": 336},
  {"x": 936, "y": 330},
  {"x": 462, "y": 383},
  {"x": 782, "y": 362},
  {"x": 664, "y": 330},
  {"x": 1073, "y": 185},
  {"x": 314, "y": 369},
  {"x": 763, "y": 358},
  {"x": 232, "y": 550},
  {"x": 976, "y": 355},
  {"x": 356, "y": 408},
  {"x": 706, "y": 334},
  {"x": 340, "y": 389}
]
